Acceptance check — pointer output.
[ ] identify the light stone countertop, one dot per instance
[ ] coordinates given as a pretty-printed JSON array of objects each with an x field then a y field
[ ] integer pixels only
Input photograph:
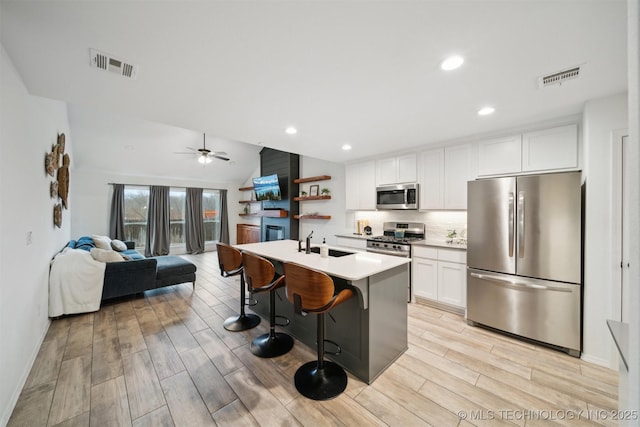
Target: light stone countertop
[
  {"x": 356, "y": 266},
  {"x": 440, "y": 244},
  {"x": 354, "y": 236}
]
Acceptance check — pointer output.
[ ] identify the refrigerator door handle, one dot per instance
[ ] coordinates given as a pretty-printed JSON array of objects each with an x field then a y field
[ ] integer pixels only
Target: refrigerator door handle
[
  {"x": 521, "y": 224},
  {"x": 518, "y": 284},
  {"x": 511, "y": 215}
]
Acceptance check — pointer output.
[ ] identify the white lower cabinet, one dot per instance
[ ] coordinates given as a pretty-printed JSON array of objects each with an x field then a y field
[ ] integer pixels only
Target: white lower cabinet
[
  {"x": 439, "y": 275},
  {"x": 425, "y": 278},
  {"x": 452, "y": 281}
]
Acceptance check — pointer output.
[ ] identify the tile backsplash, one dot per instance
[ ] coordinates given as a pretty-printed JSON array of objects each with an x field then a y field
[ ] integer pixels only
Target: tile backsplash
[{"x": 437, "y": 223}]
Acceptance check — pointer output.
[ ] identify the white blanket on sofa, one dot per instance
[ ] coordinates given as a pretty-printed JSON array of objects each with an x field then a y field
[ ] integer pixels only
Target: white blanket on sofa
[{"x": 75, "y": 283}]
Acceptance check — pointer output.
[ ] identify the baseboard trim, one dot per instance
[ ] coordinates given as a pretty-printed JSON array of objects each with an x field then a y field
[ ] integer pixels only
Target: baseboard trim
[{"x": 23, "y": 380}]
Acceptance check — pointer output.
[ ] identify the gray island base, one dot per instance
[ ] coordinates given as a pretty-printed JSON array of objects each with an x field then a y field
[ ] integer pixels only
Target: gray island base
[{"x": 371, "y": 327}]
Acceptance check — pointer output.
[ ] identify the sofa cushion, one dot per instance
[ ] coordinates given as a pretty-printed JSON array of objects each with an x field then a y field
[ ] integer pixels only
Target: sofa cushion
[
  {"x": 85, "y": 243},
  {"x": 171, "y": 265},
  {"x": 118, "y": 245},
  {"x": 104, "y": 255},
  {"x": 102, "y": 242},
  {"x": 132, "y": 254}
]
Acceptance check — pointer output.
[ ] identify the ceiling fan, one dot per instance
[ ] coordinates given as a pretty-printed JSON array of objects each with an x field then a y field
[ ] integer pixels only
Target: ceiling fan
[{"x": 204, "y": 154}]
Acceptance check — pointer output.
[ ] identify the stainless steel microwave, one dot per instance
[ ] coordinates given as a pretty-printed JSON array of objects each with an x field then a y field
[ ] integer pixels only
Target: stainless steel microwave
[{"x": 397, "y": 196}]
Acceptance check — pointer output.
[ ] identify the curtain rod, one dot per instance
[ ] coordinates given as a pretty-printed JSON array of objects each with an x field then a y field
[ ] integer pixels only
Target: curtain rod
[{"x": 150, "y": 185}]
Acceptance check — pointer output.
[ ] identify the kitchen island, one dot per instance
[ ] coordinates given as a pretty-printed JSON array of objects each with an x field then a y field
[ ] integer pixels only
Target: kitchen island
[{"x": 371, "y": 327}]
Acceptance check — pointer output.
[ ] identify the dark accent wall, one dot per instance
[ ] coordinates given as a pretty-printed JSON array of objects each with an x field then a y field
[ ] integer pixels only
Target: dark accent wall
[{"x": 287, "y": 166}]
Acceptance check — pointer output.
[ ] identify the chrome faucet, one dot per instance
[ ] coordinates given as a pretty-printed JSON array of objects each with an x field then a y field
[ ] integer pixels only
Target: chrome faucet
[{"x": 308, "y": 248}]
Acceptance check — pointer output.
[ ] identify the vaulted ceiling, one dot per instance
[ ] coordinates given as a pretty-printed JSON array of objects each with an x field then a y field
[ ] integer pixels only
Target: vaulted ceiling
[{"x": 364, "y": 73}]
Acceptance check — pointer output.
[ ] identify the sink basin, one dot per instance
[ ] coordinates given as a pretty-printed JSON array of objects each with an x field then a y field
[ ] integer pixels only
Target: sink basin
[{"x": 332, "y": 252}]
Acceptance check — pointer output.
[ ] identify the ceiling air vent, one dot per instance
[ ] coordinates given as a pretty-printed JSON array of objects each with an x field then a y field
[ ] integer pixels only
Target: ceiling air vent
[
  {"x": 107, "y": 62},
  {"x": 559, "y": 77}
]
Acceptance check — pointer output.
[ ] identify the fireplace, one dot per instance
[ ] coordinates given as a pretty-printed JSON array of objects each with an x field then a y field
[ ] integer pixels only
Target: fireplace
[{"x": 274, "y": 232}]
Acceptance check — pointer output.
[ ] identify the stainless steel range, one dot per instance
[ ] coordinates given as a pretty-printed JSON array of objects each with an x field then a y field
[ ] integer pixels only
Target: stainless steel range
[
  {"x": 397, "y": 238},
  {"x": 396, "y": 241}
]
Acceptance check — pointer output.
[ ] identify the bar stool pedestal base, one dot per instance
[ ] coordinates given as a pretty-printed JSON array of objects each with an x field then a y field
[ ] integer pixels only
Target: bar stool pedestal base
[
  {"x": 241, "y": 323},
  {"x": 271, "y": 346},
  {"x": 320, "y": 384}
]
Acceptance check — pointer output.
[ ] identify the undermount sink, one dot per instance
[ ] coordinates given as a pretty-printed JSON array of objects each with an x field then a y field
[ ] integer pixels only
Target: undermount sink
[{"x": 332, "y": 252}]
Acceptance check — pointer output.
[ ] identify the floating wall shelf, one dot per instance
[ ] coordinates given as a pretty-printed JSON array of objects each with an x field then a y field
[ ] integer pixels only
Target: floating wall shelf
[
  {"x": 312, "y": 179},
  {"x": 312, "y": 216},
  {"x": 273, "y": 213},
  {"x": 305, "y": 198}
]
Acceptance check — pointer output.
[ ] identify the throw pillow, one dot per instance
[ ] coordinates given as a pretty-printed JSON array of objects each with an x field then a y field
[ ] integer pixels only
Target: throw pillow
[
  {"x": 118, "y": 245},
  {"x": 102, "y": 242},
  {"x": 104, "y": 255}
]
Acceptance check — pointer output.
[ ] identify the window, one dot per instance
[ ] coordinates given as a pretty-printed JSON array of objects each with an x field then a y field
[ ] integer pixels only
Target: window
[
  {"x": 136, "y": 200},
  {"x": 177, "y": 198},
  {"x": 211, "y": 208}
]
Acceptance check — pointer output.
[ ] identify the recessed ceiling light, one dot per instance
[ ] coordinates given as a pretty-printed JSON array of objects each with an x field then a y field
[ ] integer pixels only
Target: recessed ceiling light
[
  {"x": 346, "y": 147},
  {"x": 291, "y": 130},
  {"x": 485, "y": 111},
  {"x": 452, "y": 62}
]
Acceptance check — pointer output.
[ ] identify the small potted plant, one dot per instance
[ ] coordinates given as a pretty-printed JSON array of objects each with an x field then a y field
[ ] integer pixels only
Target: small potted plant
[
  {"x": 325, "y": 192},
  {"x": 303, "y": 193}
]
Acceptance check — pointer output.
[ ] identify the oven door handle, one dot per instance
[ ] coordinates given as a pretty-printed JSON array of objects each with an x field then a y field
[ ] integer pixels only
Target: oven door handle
[{"x": 391, "y": 253}]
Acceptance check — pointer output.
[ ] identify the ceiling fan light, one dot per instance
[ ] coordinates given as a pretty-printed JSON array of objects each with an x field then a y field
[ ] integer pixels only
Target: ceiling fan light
[{"x": 204, "y": 159}]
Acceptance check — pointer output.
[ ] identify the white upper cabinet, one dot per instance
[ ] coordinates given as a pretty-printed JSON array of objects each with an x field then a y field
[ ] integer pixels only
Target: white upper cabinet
[
  {"x": 360, "y": 186},
  {"x": 500, "y": 156},
  {"x": 544, "y": 150},
  {"x": 444, "y": 173},
  {"x": 394, "y": 170},
  {"x": 555, "y": 148},
  {"x": 432, "y": 179},
  {"x": 457, "y": 171}
]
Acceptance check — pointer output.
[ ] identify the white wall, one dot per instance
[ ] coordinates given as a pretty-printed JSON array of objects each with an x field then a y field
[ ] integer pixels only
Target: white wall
[
  {"x": 29, "y": 128},
  {"x": 601, "y": 118},
  {"x": 335, "y": 206},
  {"x": 92, "y": 200},
  {"x": 629, "y": 393}
]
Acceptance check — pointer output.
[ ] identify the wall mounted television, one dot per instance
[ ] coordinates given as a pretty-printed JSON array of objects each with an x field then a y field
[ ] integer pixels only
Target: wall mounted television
[{"x": 267, "y": 187}]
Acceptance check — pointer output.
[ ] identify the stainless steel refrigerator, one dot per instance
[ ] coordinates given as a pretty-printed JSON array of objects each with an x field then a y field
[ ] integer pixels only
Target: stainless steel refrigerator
[{"x": 524, "y": 257}]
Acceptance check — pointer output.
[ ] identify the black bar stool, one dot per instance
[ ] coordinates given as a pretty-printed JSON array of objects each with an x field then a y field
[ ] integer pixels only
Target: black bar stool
[
  {"x": 312, "y": 291},
  {"x": 230, "y": 260},
  {"x": 260, "y": 276}
]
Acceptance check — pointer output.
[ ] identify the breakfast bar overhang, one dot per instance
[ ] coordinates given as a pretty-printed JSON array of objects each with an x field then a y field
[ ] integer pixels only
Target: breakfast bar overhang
[{"x": 370, "y": 328}]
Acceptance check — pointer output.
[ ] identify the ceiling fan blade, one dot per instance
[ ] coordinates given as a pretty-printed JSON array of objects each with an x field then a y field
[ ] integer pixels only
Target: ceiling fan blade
[
  {"x": 226, "y": 159},
  {"x": 192, "y": 149},
  {"x": 219, "y": 153},
  {"x": 182, "y": 152}
]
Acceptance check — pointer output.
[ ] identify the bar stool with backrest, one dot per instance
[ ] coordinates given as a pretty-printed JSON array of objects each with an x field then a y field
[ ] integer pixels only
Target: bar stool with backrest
[
  {"x": 312, "y": 291},
  {"x": 260, "y": 276},
  {"x": 230, "y": 260}
]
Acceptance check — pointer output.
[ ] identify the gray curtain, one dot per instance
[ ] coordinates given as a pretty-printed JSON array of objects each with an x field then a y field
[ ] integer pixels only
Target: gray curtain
[
  {"x": 224, "y": 218},
  {"x": 116, "y": 219},
  {"x": 158, "y": 233},
  {"x": 194, "y": 221}
]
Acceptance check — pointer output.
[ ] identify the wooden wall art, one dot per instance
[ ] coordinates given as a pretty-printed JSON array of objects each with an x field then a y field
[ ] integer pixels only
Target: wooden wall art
[{"x": 58, "y": 161}]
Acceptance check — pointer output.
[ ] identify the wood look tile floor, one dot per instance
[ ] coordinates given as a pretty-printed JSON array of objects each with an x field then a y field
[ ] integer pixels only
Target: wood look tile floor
[{"x": 164, "y": 359}]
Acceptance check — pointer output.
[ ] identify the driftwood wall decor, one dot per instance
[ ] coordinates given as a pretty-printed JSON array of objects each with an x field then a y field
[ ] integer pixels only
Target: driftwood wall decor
[{"x": 58, "y": 161}]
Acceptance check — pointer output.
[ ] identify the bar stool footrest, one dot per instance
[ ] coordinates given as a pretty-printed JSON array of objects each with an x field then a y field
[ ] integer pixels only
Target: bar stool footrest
[
  {"x": 320, "y": 384},
  {"x": 241, "y": 323},
  {"x": 333, "y": 353},
  {"x": 286, "y": 319}
]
